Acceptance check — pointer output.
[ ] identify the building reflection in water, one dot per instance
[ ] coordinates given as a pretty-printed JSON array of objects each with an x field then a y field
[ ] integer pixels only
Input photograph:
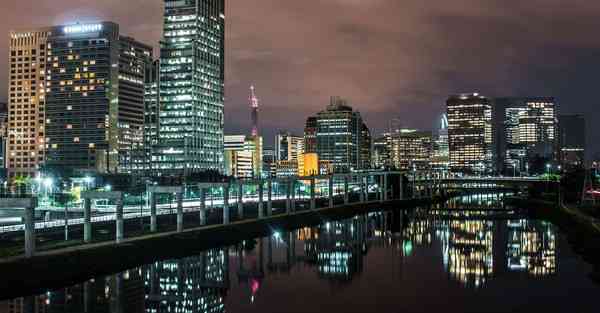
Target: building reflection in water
[
  {"x": 337, "y": 248},
  {"x": 474, "y": 239},
  {"x": 193, "y": 284},
  {"x": 531, "y": 247},
  {"x": 476, "y": 245}
]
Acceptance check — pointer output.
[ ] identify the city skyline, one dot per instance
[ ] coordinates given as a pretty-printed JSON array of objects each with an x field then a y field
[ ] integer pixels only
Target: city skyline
[{"x": 401, "y": 74}]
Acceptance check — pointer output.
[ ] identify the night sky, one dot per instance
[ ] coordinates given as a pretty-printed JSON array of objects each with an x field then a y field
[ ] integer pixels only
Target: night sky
[{"x": 390, "y": 58}]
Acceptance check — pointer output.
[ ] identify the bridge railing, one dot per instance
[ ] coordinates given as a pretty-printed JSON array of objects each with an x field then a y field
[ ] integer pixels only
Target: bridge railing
[{"x": 203, "y": 204}]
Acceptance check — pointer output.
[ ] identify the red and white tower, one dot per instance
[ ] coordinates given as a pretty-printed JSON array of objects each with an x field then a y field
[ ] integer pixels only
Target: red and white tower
[{"x": 254, "y": 107}]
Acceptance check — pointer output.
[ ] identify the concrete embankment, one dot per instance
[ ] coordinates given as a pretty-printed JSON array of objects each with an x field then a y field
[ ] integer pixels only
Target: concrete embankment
[
  {"x": 59, "y": 268},
  {"x": 582, "y": 230}
]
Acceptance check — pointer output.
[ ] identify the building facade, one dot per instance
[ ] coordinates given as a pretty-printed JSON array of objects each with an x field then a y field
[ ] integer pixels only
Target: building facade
[
  {"x": 151, "y": 115},
  {"x": 94, "y": 98},
  {"x": 192, "y": 87},
  {"x": 288, "y": 147},
  {"x": 527, "y": 134},
  {"x": 470, "y": 134},
  {"x": 412, "y": 150},
  {"x": 25, "y": 149},
  {"x": 381, "y": 155},
  {"x": 440, "y": 160},
  {"x": 572, "y": 138},
  {"x": 310, "y": 135},
  {"x": 341, "y": 137},
  {"x": 240, "y": 156}
]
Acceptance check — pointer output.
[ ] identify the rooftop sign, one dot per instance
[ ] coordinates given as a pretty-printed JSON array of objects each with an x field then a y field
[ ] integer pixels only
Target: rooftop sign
[{"x": 83, "y": 28}]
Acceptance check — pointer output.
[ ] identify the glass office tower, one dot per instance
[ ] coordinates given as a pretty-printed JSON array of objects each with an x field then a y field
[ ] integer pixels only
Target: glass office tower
[
  {"x": 470, "y": 135},
  {"x": 94, "y": 98},
  {"x": 191, "y": 87}
]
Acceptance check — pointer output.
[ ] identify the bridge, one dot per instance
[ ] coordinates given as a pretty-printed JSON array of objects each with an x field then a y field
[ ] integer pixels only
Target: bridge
[
  {"x": 469, "y": 182},
  {"x": 198, "y": 205},
  {"x": 204, "y": 204}
]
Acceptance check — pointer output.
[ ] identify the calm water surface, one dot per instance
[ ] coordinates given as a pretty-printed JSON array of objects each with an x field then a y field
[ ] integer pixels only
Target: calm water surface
[{"x": 472, "y": 260}]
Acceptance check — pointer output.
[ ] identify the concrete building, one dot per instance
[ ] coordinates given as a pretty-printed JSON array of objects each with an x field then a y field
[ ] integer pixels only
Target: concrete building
[
  {"x": 572, "y": 138},
  {"x": 192, "y": 84},
  {"x": 470, "y": 134},
  {"x": 241, "y": 153},
  {"x": 288, "y": 147}
]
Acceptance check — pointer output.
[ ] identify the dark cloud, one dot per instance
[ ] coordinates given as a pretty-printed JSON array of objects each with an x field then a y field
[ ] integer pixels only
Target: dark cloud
[{"x": 390, "y": 58}]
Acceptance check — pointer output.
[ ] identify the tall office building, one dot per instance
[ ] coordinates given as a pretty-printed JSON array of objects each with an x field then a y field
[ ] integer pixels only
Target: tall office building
[
  {"x": 288, "y": 147},
  {"x": 572, "y": 140},
  {"x": 411, "y": 150},
  {"x": 310, "y": 135},
  {"x": 151, "y": 115},
  {"x": 94, "y": 97},
  {"x": 192, "y": 87},
  {"x": 26, "y": 102},
  {"x": 470, "y": 134},
  {"x": 365, "y": 146},
  {"x": 269, "y": 162},
  {"x": 381, "y": 155},
  {"x": 526, "y": 133},
  {"x": 341, "y": 136}
]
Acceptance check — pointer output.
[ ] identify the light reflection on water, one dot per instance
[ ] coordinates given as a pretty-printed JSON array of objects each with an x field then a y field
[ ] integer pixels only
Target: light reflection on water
[{"x": 340, "y": 265}]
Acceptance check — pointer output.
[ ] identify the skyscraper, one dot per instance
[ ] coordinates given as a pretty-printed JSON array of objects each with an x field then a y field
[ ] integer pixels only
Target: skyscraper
[
  {"x": 94, "y": 99},
  {"x": 381, "y": 157},
  {"x": 470, "y": 136},
  {"x": 151, "y": 115},
  {"x": 192, "y": 87},
  {"x": 412, "y": 149},
  {"x": 341, "y": 136},
  {"x": 526, "y": 133},
  {"x": 26, "y": 101}
]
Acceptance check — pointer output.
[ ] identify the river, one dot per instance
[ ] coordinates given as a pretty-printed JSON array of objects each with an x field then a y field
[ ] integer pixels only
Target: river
[{"x": 469, "y": 255}]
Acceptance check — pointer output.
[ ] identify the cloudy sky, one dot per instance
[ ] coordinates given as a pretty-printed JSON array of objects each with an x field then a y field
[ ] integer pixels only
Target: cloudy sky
[{"x": 390, "y": 58}]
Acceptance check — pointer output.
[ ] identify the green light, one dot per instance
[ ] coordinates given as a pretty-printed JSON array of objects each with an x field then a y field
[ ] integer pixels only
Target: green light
[{"x": 407, "y": 248}]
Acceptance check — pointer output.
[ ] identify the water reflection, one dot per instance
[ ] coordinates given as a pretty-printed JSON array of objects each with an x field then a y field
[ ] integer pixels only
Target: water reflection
[{"x": 474, "y": 247}]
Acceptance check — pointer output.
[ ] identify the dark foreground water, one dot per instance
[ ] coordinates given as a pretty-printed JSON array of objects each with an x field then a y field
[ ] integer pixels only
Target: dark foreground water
[{"x": 414, "y": 261}]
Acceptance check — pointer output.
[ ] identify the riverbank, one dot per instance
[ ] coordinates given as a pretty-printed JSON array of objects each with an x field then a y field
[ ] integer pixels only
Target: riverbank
[
  {"x": 582, "y": 230},
  {"x": 57, "y": 268}
]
